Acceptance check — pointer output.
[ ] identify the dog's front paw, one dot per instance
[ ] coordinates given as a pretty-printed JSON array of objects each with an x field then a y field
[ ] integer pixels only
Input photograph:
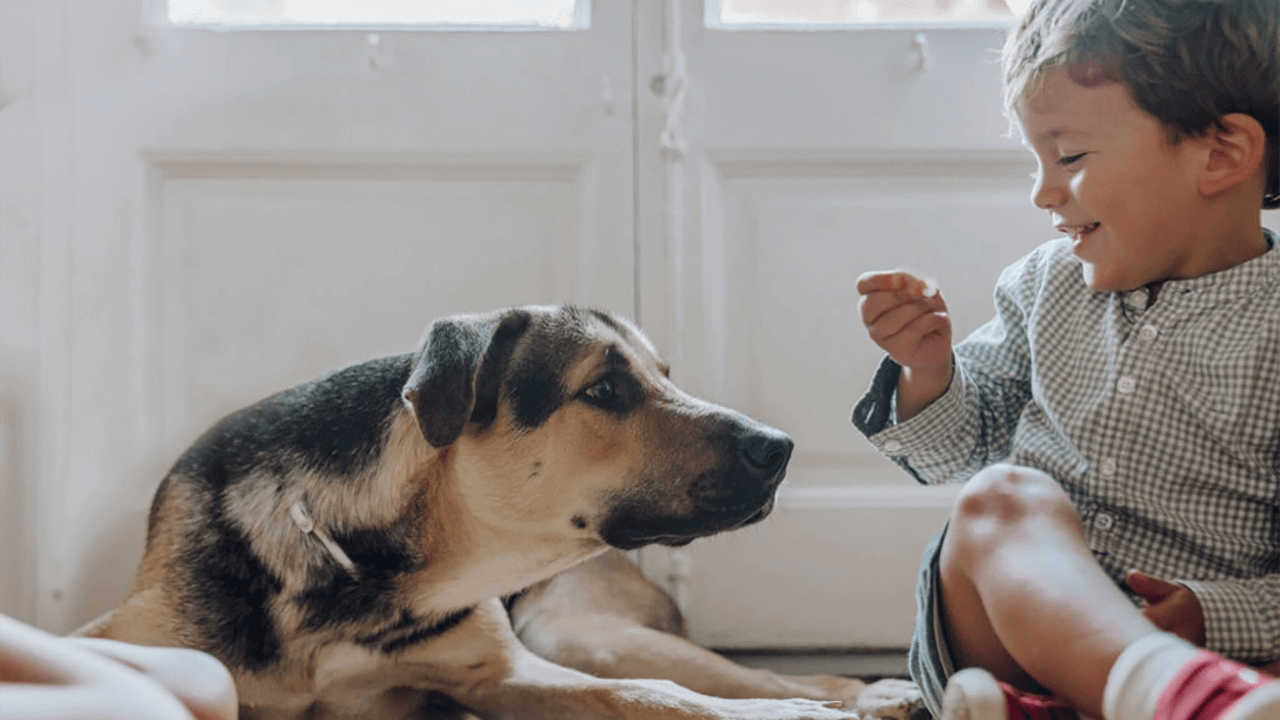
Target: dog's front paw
[
  {"x": 890, "y": 698},
  {"x": 845, "y": 689}
]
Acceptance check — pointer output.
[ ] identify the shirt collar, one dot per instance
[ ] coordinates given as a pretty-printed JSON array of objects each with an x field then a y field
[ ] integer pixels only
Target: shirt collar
[{"x": 1234, "y": 282}]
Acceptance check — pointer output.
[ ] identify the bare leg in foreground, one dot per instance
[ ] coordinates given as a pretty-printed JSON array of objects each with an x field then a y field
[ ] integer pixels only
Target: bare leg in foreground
[{"x": 1022, "y": 595}]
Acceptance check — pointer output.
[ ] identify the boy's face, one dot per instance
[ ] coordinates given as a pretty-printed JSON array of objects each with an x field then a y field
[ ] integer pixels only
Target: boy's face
[{"x": 1112, "y": 182}]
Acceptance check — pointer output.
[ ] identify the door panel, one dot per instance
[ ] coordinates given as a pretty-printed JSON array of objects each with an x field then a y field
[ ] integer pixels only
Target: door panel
[{"x": 257, "y": 293}]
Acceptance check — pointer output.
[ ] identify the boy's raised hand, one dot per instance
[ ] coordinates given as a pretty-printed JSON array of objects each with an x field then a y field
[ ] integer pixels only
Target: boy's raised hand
[{"x": 908, "y": 319}]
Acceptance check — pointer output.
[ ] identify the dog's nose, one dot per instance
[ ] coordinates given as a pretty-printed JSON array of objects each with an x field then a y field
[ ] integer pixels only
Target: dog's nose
[{"x": 767, "y": 454}]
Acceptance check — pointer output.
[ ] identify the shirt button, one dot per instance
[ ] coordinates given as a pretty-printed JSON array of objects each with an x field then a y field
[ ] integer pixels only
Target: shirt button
[
  {"x": 892, "y": 446},
  {"x": 1148, "y": 333},
  {"x": 1126, "y": 385},
  {"x": 1108, "y": 468},
  {"x": 1103, "y": 521}
]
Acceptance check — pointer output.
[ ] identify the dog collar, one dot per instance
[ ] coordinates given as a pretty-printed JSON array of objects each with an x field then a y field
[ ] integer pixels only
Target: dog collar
[{"x": 303, "y": 519}]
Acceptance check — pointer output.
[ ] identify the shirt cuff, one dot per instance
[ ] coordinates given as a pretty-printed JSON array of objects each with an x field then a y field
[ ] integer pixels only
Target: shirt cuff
[
  {"x": 935, "y": 444},
  {"x": 930, "y": 430},
  {"x": 1241, "y": 617}
]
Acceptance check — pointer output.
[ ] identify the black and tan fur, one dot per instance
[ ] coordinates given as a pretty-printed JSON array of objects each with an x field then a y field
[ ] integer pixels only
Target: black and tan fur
[{"x": 507, "y": 448}]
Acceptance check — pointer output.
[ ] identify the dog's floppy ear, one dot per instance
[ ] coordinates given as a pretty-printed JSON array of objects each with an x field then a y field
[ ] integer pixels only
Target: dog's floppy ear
[{"x": 458, "y": 373}]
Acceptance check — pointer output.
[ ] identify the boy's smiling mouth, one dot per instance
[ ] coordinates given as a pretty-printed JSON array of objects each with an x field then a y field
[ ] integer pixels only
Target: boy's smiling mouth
[{"x": 1077, "y": 232}]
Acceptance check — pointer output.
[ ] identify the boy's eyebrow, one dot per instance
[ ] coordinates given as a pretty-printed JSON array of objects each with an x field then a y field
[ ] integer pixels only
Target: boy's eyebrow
[{"x": 1050, "y": 135}]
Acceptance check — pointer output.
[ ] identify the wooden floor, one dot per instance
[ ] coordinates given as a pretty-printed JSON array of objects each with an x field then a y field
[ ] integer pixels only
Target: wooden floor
[{"x": 860, "y": 664}]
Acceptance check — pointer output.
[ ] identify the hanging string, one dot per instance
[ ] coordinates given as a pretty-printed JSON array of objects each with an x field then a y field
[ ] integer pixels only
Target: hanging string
[{"x": 675, "y": 84}]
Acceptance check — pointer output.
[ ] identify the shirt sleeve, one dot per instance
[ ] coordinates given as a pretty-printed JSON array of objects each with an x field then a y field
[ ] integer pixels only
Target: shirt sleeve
[
  {"x": 972, "y": 424},
  {"x": 1241, "y": 617}
]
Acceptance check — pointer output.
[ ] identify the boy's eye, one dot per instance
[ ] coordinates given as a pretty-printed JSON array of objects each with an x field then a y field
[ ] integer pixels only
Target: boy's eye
[{"x": 1070, "y": 159}]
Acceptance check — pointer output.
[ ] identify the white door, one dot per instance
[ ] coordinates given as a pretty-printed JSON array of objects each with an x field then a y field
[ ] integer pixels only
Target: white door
[
  {"x": 811, "y": 156},
  {"x": 196, "y": 217}
]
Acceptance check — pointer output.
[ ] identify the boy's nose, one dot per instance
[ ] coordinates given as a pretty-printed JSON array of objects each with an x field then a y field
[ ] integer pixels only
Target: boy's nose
[{"x": 1047, "y": 194}]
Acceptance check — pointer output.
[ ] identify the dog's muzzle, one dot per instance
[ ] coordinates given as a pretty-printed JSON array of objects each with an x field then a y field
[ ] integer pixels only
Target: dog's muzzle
[{"x": 735, "y": 492}]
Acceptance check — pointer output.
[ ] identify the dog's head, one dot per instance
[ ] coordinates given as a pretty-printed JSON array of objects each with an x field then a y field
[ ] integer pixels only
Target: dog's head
[{"x": 560, "y": 417}]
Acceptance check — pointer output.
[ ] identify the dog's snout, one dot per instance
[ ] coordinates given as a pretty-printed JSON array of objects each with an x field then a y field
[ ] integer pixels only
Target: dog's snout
[{"x": 767, "y": 453}]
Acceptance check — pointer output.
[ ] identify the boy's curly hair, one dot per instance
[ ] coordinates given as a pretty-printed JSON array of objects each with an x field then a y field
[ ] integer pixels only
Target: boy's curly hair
[{"x": 1186, "y": 62}]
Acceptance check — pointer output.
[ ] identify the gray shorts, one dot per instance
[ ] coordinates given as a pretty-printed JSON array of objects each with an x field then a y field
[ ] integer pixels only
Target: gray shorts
[{"x": 929, "y": 658}]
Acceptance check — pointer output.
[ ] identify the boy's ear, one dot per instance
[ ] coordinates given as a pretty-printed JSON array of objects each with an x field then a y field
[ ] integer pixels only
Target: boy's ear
[{"x": 1237, "y": 147}]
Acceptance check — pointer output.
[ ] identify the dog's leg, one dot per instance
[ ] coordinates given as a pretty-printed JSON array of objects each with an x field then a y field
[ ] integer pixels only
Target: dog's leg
[
  {"x": 605, "y": 618},
  {"x": 482, "y": 665},
  {"x": 612, "y": 647}
]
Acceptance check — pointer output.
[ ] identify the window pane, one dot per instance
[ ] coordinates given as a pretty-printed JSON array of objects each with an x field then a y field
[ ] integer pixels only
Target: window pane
[
  {"x": 861, "y": 12},
  {"x": 551, "y": 14}
]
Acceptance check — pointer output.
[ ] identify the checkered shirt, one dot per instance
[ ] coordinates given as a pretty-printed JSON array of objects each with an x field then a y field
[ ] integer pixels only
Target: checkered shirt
[{"x": 1162, "y": 424}]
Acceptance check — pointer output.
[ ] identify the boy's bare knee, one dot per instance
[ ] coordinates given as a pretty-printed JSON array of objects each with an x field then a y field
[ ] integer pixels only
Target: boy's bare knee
[{"x": 1001, "y": 496}]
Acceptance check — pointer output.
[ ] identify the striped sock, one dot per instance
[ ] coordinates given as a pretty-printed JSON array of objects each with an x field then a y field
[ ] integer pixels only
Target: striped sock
[
  {"x": 1141, "y": 673},
  {"x": 1162, "y": 677},
  {"x": 1210, "y": 687}
]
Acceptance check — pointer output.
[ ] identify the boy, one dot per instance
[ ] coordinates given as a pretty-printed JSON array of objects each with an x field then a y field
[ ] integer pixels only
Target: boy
[{"x": 1131, "y": 378}]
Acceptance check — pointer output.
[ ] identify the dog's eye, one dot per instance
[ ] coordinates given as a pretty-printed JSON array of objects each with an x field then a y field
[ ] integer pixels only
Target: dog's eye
[
  {"x": 603, "y": 391},
  {"x": 614, "y": 392}
]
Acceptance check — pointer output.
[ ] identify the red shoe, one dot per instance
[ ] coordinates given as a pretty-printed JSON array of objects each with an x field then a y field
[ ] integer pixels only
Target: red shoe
[
  {"x": 1210, "y": 687},
  {"x": 975, "y": 694}
]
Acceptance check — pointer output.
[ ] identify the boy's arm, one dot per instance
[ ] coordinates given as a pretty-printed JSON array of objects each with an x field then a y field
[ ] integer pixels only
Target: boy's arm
[{"x": 971, "y": 424}]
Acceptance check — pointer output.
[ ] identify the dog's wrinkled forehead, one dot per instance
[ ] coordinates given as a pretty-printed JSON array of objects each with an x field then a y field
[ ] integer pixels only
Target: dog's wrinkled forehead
[
  {"x": 566, "y": 350},
  {"x": 566, "y": 336},
  {"x": 531, "y": 359}
]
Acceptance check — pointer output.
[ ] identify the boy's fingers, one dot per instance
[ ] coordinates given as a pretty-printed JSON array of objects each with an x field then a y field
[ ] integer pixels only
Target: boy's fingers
[
  {"x": 32, "y": 656},
  {"x": 872, "y": 306},
  {"x": 879, "y": 307},
  {"x": 879, "y": 281},
  {"x": 914, "y": 335},
  {"x": 915, "y": 344},
  {"x": 894, "y": 320},
  {"x": 1151, "y": 588},
  {"x": 910, "y": 286},
  {"x": 1180, "y": 614},
  {"x": 929, "y": 324},
  {"x": 200, "y": 681}
]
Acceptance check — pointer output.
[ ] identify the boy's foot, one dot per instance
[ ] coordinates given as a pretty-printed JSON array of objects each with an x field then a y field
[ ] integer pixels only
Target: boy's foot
[
  {"x": 1209, "y": 687},
  {"x": 975, "y": 694}
]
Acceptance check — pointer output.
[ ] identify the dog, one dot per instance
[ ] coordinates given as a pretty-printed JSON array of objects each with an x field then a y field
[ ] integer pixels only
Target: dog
[{"x": 377, "y": 542}]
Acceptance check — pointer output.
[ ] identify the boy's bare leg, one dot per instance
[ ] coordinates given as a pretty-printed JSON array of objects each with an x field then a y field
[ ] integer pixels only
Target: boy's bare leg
[{"x": 1022, "y": 595}]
